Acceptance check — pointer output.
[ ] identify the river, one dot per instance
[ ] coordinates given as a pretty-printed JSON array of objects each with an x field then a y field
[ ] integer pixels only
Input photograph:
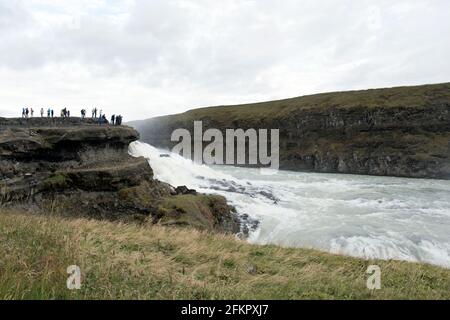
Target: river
[{"x": 362, "y": 216}]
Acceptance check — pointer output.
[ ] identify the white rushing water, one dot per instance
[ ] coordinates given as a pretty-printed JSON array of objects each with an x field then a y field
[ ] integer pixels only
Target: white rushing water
[{"x": 363, "y": 216}]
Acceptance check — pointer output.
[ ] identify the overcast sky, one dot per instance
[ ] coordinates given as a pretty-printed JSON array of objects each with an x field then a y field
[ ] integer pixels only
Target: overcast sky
[{"x": 154, "y": 57}]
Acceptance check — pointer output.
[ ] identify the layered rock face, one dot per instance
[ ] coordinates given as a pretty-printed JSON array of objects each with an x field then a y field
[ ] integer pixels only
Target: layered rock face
[
  {"x": 394, "y": 132},
  {"x": 76, "y": 167}
]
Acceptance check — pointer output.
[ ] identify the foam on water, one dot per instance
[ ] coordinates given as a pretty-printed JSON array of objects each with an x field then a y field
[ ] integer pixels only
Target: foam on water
[{"x": 364, "y": 216}]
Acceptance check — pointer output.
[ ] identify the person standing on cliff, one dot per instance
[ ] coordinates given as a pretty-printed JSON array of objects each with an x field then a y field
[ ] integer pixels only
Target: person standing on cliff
[
  {"x": 42, "y": 112},
  {"x": 32, "y": 112},
  {"x": 113, "y": 119},
  {"x": 27, "y": 111},
  {"x": 53, "y": 112},
  {"x": 102, "y": 119}
]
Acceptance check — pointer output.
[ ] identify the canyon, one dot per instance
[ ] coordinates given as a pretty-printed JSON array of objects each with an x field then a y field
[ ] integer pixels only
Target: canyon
[{"x": 403, "y": 131}]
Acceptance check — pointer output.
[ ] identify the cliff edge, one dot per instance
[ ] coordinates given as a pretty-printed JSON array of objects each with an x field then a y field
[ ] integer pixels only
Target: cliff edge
[
  {"x": 403, "y": 131},
  {"x": 73, "y": 166}
]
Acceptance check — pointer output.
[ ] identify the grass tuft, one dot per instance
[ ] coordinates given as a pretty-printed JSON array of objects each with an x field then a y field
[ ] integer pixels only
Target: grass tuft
[{"x": 131, "y": 261}]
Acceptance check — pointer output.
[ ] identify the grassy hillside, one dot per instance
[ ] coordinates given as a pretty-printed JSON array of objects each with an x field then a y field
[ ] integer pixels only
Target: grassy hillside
[
  {"x": 412, "y": 96},
  {"x": 121, "y": 261}
]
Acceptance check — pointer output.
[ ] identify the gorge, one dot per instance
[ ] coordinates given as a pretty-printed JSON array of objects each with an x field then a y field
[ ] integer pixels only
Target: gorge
[{"x": 403, "y": 131}]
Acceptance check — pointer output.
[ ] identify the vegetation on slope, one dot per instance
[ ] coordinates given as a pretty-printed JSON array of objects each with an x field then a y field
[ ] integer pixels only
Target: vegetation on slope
[
  {"x": 411, "y": 96},
  {"x": 121, "y": 261}
]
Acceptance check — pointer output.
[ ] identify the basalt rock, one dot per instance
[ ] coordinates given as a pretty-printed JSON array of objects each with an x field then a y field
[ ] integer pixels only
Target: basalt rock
[
  {"x": 74, "y": 166},
  {"x": 185, "y": 190},
  {"x": 401, "y": 131}
]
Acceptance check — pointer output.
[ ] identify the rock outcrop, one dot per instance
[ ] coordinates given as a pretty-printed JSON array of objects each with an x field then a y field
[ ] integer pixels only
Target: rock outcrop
[
  {"x": 401, "y": 131},
  {"x": 76, "y": 167}
]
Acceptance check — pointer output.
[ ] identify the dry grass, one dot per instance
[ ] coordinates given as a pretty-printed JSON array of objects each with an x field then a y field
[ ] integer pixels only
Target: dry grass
[{"x": 129, "y": 261}]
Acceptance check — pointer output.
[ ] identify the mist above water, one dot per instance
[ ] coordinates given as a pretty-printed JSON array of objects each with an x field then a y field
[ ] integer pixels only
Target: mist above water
[{"x": 363, "y": 216}]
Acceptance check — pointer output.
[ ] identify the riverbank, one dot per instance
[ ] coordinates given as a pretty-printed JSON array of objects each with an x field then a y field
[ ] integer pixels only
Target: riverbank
[
  {"x": 146, "y": 261},
  {"x": 357, "y": 215},
  {"x": 402, "y": 131}
]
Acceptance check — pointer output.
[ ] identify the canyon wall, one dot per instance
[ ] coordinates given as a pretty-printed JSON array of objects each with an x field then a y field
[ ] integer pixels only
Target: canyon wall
[{"x": 402, "y": 131}]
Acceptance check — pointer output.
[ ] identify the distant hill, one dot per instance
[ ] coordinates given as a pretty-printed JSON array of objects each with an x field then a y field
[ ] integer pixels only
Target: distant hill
[{"x": 402, "y": 131}]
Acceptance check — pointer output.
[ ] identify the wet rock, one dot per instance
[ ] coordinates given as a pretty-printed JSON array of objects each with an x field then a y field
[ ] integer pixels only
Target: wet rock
[{"x": 185, "y": 190}]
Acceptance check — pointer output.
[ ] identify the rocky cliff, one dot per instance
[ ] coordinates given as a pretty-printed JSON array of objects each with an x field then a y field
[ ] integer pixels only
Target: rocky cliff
[
  {"x": 76, "y": 167},
  {"x": 401, "y": 131}
]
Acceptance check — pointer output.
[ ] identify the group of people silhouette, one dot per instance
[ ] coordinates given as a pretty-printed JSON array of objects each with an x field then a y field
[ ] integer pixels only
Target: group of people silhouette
[
  {"x": 65, "y": 113},
  {"x": 29, "y": 113},
  {"x": 115, "y": 119}
]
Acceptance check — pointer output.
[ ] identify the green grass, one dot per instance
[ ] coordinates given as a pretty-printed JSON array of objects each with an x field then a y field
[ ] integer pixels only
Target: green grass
[
  {"x": 130, "y": 261},
  {"x": 194, "y": 211},
  {"x": 412, "y": 96},
  {"x": 57, "y": 181}
]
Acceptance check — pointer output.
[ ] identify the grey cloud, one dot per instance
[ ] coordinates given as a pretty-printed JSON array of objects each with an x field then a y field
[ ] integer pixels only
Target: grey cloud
[{"x": 168, "y": 55}]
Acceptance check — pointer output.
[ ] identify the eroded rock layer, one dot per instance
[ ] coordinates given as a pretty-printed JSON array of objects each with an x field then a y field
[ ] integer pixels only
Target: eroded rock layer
[
  {"x": 401, "y": 131},
  {"x": 76, "y": 167}
]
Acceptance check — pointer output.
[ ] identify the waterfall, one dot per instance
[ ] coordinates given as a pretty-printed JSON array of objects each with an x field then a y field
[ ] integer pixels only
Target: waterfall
[{"x": 363, "y": 216}]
